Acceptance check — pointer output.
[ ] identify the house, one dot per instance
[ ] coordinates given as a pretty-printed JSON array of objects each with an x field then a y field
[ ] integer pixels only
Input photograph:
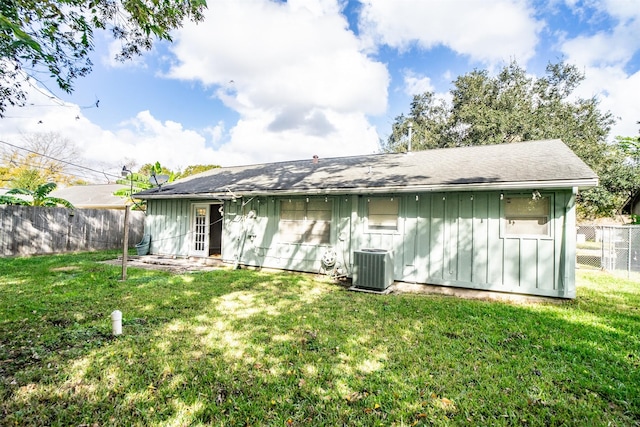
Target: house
[
  {"x": 498, "y": 217},
  {"x": 632, "y": 204},
  {"x": 96, "y": 196}
]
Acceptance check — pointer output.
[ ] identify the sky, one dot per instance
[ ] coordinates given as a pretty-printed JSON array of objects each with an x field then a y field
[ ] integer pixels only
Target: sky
[{"x": 263, "y": 80}]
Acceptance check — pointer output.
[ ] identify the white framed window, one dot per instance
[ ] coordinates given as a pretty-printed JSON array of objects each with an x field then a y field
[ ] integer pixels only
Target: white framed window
[
  {"x": 526, "y": 216},
  {"x": 303, "y": 221},
  {"x": 382, "y": 214}
]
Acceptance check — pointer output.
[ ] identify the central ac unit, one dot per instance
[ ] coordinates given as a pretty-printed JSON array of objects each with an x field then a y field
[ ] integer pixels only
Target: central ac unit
[{"x": 372, "y": 269}]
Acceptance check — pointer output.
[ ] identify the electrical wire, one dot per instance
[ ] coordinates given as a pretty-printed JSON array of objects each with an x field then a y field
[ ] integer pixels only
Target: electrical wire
[
  {"x": 59, "y": 160},
  {"x": 69, "y": 172}
]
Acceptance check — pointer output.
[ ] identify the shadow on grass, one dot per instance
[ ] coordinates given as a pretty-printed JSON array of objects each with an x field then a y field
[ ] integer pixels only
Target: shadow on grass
[{"x": 250, "y": 348}]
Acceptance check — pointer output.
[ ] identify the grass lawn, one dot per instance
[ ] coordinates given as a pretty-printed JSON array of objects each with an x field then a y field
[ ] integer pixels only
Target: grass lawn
[{"x": 237, "y": 347}]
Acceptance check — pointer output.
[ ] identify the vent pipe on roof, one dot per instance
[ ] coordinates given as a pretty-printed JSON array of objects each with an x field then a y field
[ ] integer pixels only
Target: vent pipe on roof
[
  {"x": 410, "y": 137},
  {"x": 315, "y": 159}
]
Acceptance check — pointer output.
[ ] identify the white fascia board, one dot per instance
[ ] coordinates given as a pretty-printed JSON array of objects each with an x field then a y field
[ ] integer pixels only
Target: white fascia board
[
  {"x": 203, "y": 196},
  {"x": 484, "y": 186},
  {"x": 507, "y": 186}
]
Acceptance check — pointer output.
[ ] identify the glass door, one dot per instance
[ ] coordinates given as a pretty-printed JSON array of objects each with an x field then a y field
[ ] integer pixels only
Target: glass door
[{"x": 200, "y": 230}]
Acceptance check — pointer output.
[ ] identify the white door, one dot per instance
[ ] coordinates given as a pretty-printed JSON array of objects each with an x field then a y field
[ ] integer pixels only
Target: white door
[{"x": 199, "y": 230}]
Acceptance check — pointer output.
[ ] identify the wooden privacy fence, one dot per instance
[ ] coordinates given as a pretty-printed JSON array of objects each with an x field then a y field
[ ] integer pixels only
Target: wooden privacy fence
[{"x": 30, "y": 230}]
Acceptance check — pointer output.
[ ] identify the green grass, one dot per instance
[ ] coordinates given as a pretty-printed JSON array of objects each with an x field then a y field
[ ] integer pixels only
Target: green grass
[
  {"x": 589, "y": 245},
  {"x": 254, "y": 348}
]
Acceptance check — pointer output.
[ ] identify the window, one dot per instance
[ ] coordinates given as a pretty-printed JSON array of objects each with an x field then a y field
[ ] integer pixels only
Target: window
[
  {"x": 305, "y": 222},
  {"x": 525, "y": 216},
  {"x": 382, "y": 214}
]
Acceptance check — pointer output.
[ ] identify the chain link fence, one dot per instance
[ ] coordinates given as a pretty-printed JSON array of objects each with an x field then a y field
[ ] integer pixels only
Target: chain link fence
[
  {"x": 589, "y": 246},
  {"x": 611, "y": 248}
]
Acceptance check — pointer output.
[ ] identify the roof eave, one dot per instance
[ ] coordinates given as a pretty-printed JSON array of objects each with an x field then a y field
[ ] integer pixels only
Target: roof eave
[
  {"x": 481, "y": 186},
  {"x": 207, "y": 196}
]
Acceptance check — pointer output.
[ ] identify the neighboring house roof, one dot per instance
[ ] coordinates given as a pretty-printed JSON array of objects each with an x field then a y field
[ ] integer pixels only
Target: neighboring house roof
[
  {"x": 523, "y": 165},
  {"x": 98, "y": 196}
]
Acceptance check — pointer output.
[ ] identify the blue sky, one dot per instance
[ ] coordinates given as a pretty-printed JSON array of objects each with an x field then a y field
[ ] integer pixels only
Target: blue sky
[{"x": 261, "y": 81}]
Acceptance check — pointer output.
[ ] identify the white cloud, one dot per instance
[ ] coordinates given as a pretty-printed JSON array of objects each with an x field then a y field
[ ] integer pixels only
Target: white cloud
[
  {"x": 353, "y": 135},
  {"x": 167, "y": 142},
  {"x": 601, "y": 48},
  {"x": 604, "y": 56},
  {"x": 617, "y": 92},
  {"x": 415, "y": 84},
  {"x": 619, "y": 9},
  {"x": 280, "y": 53},
  {"x": 604, "y": 48},
  {"x": 114, "y": 47},
  {"x": 146, "y": 139},
  {"x": 293, "y": 71},
  {"x": 490, "y": 32},
  {"x": 216, "y": 132},
  {"x": 143, "y": 138}
]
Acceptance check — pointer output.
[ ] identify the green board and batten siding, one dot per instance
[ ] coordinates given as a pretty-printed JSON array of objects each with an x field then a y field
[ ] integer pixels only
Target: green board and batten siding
[
  {"x": 168, "y": 222},
  {"x": 451, "y": 239}
]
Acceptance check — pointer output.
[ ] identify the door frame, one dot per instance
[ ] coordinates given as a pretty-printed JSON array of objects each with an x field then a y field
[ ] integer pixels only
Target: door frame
[{"x": 199, "y": 248}]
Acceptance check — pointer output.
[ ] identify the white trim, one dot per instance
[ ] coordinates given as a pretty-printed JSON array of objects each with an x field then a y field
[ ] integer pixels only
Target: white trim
[
  {"x": 203, "y": 249},
  {"x": 488, "y": 186}
]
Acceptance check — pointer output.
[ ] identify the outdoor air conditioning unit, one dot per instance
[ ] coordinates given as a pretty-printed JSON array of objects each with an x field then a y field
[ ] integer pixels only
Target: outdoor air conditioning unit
[{"x": 372, "y": 269}]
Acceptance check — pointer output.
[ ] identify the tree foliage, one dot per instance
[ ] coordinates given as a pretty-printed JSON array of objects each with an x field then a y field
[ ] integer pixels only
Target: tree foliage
[
  {"x": 513, "y": 106},
  {"x": 37, "y": 197},
  {"x": 147, "y": 177},
  {"x": 42, "y": 158},
  {"x": 55, "y": 37},
  {"x": 630, "y": 146},
  {"x": 195, "y": 169}
]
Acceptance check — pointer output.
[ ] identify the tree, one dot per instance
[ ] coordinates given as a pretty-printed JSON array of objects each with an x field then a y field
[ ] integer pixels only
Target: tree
[
  {"x": 630, "y": 182},
  {"x": 56, "y": 36},
  {"x": 630, "y": 146},
  {"x": 513, "y": 106},
  {"x": 147, "y": 177},
  {"x": 195, "y": 169},
  {"x": 43, "y": 157},
  {"x": 152, "y": 169},
  {"x": 38, "y": 197},
  {"x": 429, "y": 119}
]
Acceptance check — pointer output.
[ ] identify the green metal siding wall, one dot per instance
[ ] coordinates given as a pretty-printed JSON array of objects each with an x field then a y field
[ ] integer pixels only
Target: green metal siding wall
[
  {"x": 252, "y": 239},
  {"x": 460, "y": 243},
  {"x": 168, "y": 224},
  {"x": 453, "y": 239}
]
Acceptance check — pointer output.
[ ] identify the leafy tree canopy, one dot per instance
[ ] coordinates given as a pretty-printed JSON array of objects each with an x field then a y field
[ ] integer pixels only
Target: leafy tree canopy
[
  {"x": 142, "y": 180},
  {"x": 56, "y": 36},
  {"x": 630, "y": 146},
  {"x": 195, "y": 169},
  {"x": 513, "y": 106}
]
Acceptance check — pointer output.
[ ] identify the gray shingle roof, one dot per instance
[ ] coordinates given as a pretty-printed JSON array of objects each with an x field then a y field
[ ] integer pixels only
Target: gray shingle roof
[{"x": 523, "y": 165}]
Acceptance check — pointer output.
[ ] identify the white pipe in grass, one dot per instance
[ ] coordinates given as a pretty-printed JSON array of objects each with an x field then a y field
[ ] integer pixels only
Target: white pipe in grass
[{"x": 116, "y": 322}]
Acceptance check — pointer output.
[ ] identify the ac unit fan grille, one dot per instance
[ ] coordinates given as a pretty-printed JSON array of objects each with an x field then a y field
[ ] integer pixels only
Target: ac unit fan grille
[{"x": 372, "y": 269}]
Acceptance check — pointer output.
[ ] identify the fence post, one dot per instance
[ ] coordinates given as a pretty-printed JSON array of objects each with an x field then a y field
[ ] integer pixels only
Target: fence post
[
  {"x": 125, "y": 244},
  {"x": 629, "y": 254},
  {"x": 602, "y": 258}
]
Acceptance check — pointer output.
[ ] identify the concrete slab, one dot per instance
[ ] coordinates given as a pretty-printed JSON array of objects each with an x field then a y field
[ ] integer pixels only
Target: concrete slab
[{"x": 173, "y": 264}]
